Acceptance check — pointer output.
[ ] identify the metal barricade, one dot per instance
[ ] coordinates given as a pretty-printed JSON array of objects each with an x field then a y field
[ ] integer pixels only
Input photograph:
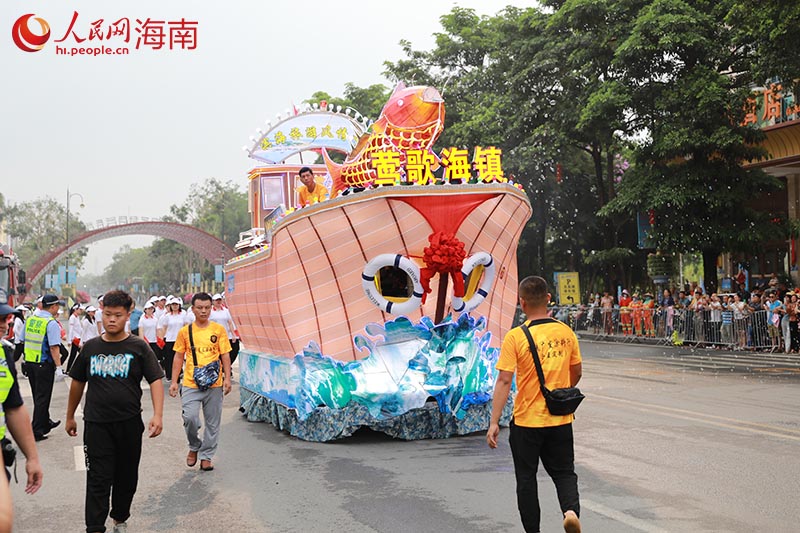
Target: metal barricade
[
  {"x": 717, "y": 328},
  {"x": 673, "y": 326}
]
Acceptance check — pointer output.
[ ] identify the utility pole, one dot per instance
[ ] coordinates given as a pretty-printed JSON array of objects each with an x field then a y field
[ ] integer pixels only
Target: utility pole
[{"x": 66, "y": 255}]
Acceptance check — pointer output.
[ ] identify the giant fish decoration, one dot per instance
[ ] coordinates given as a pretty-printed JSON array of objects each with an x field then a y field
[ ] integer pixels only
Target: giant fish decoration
[{"x": 412, "y": 119}]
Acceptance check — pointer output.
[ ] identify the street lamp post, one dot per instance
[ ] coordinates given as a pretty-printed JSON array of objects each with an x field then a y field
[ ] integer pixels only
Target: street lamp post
[{"x": 66, "y": 256}]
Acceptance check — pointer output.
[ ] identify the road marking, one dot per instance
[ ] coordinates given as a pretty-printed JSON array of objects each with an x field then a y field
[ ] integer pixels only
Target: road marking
[
  {"x": 80, "y": 458},
  {"x": 684, "y": 414},
  {"x": 619, "y": 516}
]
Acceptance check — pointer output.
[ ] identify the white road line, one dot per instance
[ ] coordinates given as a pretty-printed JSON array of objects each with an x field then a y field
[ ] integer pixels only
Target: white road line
[
  {"x": 619, "y": 516},
  {"x": 80, "y": 459},
  {"x": 694, "y": 416}
]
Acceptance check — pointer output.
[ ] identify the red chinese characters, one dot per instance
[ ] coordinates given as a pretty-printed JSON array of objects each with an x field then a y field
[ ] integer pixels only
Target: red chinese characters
[{"x": 154, "y": 34}]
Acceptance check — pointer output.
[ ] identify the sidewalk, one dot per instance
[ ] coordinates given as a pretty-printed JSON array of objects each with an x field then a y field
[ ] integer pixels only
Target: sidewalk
[
  {"x": 665, "y": 342},
  {"x": 753, "y": 361}
]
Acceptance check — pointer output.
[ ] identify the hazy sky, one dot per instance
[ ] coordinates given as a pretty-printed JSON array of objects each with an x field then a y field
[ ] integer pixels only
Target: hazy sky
[{"x": 131, "y": 133}]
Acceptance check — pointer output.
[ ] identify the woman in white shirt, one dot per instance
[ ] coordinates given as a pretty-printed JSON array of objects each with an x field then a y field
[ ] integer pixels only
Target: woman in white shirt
[
  {"x": 168, "y": 327},
  {"x": 89, "y": 325},
  {"x": 148, "y": 325},
  {"x": 74, "y": 334},
  {"x": 222, "y": 316}
]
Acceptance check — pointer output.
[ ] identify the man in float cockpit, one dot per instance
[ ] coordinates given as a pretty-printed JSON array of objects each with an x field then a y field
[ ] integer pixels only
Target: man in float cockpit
[{"x": 310, "y": 192}]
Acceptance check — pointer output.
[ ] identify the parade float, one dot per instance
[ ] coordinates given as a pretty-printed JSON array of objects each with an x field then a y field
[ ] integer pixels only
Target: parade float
[{"x": 383, "y": 306}]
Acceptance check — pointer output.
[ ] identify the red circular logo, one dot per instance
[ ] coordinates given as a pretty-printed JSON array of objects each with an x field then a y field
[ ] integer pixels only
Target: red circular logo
[{"x": 25, "y": 39}]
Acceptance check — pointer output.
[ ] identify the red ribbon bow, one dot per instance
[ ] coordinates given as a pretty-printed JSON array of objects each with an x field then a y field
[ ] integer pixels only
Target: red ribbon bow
[{"x": 445, "y": 256}]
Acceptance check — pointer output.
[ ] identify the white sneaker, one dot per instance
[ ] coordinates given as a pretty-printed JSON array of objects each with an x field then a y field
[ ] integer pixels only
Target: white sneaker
[{"x": 122, "y": 527}]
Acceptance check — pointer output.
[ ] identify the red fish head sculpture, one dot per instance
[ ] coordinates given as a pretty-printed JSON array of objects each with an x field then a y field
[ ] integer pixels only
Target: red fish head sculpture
[
  {"x": 411, "y": 107},
  {"x": 412, "y": 119}
]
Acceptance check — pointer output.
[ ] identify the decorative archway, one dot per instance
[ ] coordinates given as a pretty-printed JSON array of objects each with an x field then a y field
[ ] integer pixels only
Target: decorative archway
[{"x": 211, "y": 248}]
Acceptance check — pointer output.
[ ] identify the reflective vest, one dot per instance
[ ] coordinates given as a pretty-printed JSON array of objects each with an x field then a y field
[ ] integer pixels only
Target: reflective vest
[
  {"x": 6, "y": 382},
  {"x": 35, "y": 332}
]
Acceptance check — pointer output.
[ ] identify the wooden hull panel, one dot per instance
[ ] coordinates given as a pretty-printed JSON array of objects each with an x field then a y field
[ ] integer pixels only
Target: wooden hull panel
[{"x": 307, "y": 286}]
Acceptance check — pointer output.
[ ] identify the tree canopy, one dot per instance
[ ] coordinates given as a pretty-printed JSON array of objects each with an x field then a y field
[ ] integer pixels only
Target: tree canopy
[
  {"x": 39, "y": 226},
  {"x": 606, "y": 109}
]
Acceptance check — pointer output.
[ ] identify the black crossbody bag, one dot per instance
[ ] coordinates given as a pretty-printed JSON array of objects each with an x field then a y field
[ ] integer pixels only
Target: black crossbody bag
[
  {"x": 204, "y": 376},
  {"x": 559, "y": 401}
]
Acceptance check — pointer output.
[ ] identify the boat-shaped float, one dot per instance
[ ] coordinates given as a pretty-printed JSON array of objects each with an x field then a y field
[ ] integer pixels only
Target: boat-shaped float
[{"x": 385, "y": 305}]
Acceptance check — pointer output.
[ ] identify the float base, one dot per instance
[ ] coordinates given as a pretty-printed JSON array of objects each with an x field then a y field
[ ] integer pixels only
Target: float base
[{"x": 325, "y": 424}]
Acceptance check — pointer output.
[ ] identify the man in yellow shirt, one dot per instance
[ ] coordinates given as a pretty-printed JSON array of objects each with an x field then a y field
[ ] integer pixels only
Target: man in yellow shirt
[
  {"x": 311, "y": 192},
  {"x": 205, "y": 343},
  {"x": 535, "y": 433}
]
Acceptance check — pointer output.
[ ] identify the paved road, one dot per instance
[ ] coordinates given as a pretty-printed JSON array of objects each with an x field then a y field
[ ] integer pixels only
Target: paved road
[{"x": 669, "y": 440}]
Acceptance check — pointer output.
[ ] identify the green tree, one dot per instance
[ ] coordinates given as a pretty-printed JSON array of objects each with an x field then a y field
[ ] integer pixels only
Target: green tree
[
  {"x": 39, "y": 226},
  {"x": 368, "y": 101},
  {"x": 215, "y": 206},
  {"x": 511, "y": 81},
  {"x": 690, "y": 75}
]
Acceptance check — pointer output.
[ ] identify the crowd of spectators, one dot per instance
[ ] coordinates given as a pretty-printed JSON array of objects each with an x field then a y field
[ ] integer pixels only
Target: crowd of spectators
[{"x": 764, "y": 318}]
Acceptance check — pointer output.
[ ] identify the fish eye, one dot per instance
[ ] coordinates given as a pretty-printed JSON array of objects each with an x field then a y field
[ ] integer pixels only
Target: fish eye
[{"x": 400, "y": 102}]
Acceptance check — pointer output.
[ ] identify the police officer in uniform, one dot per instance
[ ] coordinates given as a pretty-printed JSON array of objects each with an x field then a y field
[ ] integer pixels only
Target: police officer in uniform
[
  {"x": 42, "y": 356},
  {"x": 14, "y": 414}
]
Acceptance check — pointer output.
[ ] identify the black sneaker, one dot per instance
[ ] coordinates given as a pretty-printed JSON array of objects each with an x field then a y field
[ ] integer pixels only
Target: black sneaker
[
  {"x": 37, "y": 438},
  {"x": 55, "y": 424}
]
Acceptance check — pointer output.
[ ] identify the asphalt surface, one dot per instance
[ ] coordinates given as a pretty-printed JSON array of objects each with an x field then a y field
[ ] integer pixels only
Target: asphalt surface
[{"x": 668, "y": 440}]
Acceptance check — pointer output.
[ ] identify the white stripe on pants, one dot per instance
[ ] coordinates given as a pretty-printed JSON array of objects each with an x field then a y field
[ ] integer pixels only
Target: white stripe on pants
[{"x": 211, "y": 400}]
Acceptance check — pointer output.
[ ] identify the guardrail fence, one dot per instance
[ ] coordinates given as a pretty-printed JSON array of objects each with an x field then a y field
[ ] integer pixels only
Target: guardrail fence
[{"x": 708, "y": 328}]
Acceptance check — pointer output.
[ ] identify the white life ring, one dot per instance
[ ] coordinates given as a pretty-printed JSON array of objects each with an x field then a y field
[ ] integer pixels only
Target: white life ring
[
  {"x": 481, "y": 258},
  {"x": 406, "y": 265}
]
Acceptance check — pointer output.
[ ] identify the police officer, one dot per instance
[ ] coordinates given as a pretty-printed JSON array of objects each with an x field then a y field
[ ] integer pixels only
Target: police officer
[
  {"x": 42, "y": 357},
  {"x": 15, "y": 415}
]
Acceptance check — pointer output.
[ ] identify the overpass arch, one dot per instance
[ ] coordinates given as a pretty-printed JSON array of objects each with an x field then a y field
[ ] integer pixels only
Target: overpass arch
[{"x": 208, "y": 246}]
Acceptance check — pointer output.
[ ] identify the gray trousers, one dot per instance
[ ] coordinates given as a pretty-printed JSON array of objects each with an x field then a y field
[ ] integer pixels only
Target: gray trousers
[{"x": 211, "y": 400}]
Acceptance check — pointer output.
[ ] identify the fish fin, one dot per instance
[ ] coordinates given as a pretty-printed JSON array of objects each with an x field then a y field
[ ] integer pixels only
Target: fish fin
[
  {"x": 379, "y": 126},
  {"x": 335, "y": 170},
  {"x": 399, "y": 87}
]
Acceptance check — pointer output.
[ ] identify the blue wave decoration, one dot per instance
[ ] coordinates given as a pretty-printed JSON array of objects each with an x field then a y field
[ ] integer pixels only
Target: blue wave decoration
[{"x": 408, "y": 366}]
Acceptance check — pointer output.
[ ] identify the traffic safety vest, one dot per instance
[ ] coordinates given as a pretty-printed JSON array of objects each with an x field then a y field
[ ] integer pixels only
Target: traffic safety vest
[
  {"x": 6, "y": 381},
  {"x": 35, "y": 331}
]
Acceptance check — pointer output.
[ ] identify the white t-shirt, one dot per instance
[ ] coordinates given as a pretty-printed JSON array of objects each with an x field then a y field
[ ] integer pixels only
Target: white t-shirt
[
  {"x": 19, "y": 329},
  {"x": 75, "y": 328},
  {"x": 173, "y": 324},
  {"x": 88, "y": 330},
  {"x": 147, "y": 328},
  {"x": 224, "y": 319},
  {"x": 739, "y": 310}
]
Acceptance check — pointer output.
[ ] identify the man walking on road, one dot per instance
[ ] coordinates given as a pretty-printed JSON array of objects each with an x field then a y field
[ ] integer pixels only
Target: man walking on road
[
  {"x": 42, "y": 338},
  {"x": 206, "y": 343},
  {"x": 114, "y": 364},
  {"x": 535, "y": 433}
]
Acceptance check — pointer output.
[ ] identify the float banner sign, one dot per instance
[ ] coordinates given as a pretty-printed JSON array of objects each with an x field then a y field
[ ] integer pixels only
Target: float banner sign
[
  {"x": 309, "y": 131},
  {"x": 569, "y": 289}
]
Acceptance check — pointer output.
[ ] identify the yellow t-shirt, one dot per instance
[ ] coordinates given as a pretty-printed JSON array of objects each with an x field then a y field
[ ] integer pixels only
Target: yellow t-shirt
[
  {"x": 209, "y": 342},
  {"x": 307, "y": 198},
  {"x": 558, "y": 350}
]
